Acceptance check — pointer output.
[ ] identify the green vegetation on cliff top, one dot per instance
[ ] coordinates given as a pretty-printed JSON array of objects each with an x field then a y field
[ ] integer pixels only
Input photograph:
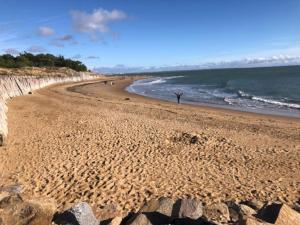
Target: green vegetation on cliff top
[{"x": 40, "y": 60}]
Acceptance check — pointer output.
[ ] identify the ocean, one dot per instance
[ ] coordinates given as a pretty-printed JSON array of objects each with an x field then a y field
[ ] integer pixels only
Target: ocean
[{"x": 270, "y": 90}]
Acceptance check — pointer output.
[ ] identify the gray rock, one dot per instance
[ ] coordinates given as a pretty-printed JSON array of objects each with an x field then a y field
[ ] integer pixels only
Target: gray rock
[
  {"x": 140, "y": 219},
  {"x": 158, "y": 211},
  {"x": 163, "y": 206},
  {"x": 188, "y": 208},
  {"x": 218, "y": 212},
  {"x": 239, "y": 212},
  {"x": 14, "y": 189},
  {"x": 246, "y": 210},
  {"x": 79, "y": 214},
  {"x": 234, "y": 211}
]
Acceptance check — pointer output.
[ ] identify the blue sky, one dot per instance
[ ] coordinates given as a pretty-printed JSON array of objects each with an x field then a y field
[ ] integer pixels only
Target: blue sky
[{"x": 135, "y": 35}]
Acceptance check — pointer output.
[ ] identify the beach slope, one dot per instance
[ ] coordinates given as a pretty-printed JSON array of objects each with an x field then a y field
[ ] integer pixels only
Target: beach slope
[{"x": 97, "y": 143}]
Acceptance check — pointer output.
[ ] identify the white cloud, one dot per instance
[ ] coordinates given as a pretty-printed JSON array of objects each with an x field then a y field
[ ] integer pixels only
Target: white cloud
[
  {"x": 46, "y": 31},
  {"x": 11, "y": 51},
  {"x": 276, "y": 60},
  {"x": 93, "y": 57},
  {"x": 62, "y": 40},
  {"x": 36, "y": 49},
  {"x": 66, "y": 37},
  {"x": 97, "y": 21}
]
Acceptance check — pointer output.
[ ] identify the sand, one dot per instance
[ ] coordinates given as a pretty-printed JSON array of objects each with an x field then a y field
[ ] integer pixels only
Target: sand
[{"x": 88, "y": 143}]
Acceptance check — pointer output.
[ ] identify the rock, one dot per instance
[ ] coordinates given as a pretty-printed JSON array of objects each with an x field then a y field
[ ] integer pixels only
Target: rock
[
  {"x": 1, "y": 139},
  {"x": 16, "y": 189},
  {"x": 297, "y": 207},
  {"x": 8, "y": 200},
  {"x": 269, "y": 212},
  {"x": 188, "y": 208},
  {"x": 140, "y": 219},
  {"x": 14, "y": 210},
  {"x": 218, "y": 212},
  {"x": 194, "y": 140},
  {"x": 186, "y": 138},
  {"x": 246, "y": 210},
  {"x": 110, "y": 211},
  {"x": 253, "y": 221},
  {"x": 163, "y": 205},
  {"x": 287, "y": 216},
  {"x": 30, "y": 93},
  {"x": 116, "y": 221},
  {"x": 234, "y": 211},
  {"x": 254, "y": 204},
  {"x": 158, "y": 211},
  {"x": 279, "y": 214},
  {"x": 238, "y": 212},
  {"x": 79, "y": 214},
  {"x": 127, "y": 99}
]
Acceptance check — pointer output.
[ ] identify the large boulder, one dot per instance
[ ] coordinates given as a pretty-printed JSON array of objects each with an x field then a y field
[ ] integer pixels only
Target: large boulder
[
  {"x": 157, "y": 211},
  {"x": 217, "y": 212},
  {"x": 287, "y": 216},
  {"x": 238, "y": 211},
  {"x": 279, "y": 214},
  {"x": 79, "y": 214},
  {"x": 16, "y": 211},
  {"x": 162, "y": 205},
  {"x": 188, "y": 208},
  {"x": 140, "y": 219}
]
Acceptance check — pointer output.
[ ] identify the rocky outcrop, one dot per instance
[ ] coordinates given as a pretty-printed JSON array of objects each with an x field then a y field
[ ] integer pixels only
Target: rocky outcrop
[
  {"x": 11, "y": 86},
  {"x": 80, "y": 214}
]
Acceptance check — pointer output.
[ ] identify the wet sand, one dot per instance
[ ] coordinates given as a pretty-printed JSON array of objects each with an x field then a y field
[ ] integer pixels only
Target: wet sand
[{"x": 100, "y": 144}]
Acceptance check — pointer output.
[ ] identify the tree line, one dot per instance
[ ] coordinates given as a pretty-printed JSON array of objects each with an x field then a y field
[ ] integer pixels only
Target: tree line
[{"x": 40, "y": 60}]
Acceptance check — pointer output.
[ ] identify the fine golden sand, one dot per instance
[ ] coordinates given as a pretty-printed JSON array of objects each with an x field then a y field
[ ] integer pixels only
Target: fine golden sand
[{"x": 100, "y": 144}]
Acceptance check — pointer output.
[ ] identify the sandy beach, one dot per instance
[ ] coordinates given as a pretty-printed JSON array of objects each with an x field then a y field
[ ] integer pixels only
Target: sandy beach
[{"x": 97, "y": 143}]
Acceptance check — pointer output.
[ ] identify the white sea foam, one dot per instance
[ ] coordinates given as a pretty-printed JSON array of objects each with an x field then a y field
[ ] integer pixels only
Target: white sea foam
[
  {"x": 266, "y": 100},
  {"x": 270, "y": 101}
]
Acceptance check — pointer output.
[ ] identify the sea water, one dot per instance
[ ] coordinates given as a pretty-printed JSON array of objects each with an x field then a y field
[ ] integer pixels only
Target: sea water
[{"x": 272, "y": 90}]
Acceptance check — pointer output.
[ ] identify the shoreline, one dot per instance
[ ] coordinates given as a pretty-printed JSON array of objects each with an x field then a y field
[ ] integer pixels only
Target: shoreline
[
  {"x": 101, "y": 144},
  {"x": 215, "y": 106},
  {"x": 207, "y": 106}
]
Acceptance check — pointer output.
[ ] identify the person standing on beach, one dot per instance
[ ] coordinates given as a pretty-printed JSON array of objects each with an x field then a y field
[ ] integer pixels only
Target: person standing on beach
[{"x": 178, "y": 95}]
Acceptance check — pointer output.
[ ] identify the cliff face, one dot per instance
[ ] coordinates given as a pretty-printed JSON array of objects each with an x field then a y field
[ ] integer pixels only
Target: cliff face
[{"x": 11, "y": 86}]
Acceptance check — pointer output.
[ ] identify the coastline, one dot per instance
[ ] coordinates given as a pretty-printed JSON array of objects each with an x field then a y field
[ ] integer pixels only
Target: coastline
[
  {"x": 100, "y": 144},
  {"x": 215, "y": 106},
  {"x": 212, "y": 107}
]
